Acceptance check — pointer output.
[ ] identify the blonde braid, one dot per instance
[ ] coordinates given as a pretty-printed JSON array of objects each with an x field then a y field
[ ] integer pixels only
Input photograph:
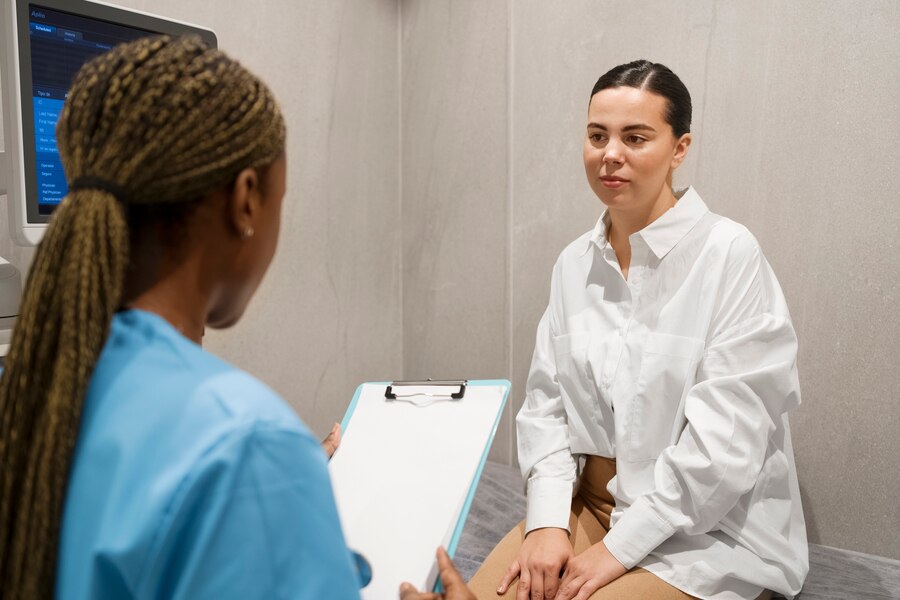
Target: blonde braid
[{"x": 165, "y": 120}]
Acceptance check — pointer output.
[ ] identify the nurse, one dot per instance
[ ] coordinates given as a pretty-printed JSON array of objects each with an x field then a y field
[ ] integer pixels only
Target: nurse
[
  {"x": 654, "y": 436},
  {"x": 135, "y": 464}
]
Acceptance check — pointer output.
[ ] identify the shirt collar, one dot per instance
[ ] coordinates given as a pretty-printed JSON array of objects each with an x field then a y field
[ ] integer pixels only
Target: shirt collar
[
  {"x": 665, "y": 232},
  {"x": 598, "y": 236}
]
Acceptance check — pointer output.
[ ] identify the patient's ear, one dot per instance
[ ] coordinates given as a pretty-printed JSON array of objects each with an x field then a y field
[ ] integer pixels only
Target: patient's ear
[{"x": 681, "y": 150}]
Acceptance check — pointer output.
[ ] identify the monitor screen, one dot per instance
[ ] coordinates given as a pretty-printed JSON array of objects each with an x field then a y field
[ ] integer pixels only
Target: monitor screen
[
  {"x": 60, "y": 44},
  {"x": 44, "y": 43}
]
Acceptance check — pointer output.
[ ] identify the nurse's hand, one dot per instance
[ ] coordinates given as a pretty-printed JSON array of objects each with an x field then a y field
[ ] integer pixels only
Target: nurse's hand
[
  {"x": 541, "y": 559},
  {"x": 588, "y": 572},
  {"x": 332, "y": 440},
  {"x": 453, "y": 584}
]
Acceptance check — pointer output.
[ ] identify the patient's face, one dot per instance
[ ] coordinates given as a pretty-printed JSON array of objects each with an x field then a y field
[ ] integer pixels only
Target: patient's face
[{"x": 629, "y": 148}]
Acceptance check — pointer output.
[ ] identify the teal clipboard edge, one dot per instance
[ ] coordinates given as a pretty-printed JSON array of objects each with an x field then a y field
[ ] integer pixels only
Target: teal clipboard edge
[
  {"x": 464, "y": 513},
  {"x": 454, "y": 541},
  {"x": 345, "y": 422}
]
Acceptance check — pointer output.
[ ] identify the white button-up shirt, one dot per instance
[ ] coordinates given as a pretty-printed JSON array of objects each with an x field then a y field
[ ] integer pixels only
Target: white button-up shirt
[{"x": 685, "y": 374}]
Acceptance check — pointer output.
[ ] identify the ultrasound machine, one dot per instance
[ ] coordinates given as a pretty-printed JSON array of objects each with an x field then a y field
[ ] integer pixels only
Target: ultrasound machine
[{"x": 42, "y": 46}]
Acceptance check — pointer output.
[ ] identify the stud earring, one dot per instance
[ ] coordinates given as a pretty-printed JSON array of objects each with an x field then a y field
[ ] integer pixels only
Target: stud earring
[{"x": 247, "y": 233}]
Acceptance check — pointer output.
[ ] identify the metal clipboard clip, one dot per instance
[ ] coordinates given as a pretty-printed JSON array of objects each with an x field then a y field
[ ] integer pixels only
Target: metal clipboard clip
[{"x": 422, "y": 399}]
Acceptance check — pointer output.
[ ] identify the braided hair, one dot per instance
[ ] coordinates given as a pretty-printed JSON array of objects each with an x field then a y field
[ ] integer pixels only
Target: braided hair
[{"x": 164, "y": 121}]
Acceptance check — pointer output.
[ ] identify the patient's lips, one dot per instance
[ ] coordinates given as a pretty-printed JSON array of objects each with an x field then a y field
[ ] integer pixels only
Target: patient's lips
[{"x": 613, "y": 182}]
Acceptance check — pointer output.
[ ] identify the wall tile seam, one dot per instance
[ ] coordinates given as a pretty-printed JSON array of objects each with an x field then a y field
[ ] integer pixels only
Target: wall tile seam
[
  {"x": 510, "y": 221},
  {"x": 399, "y": 266}
]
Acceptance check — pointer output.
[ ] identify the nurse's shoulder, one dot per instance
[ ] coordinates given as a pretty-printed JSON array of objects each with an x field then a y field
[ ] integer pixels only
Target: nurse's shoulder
[
  {"x": 191, "y": 401},
  {"x": 241, "y": 397}
]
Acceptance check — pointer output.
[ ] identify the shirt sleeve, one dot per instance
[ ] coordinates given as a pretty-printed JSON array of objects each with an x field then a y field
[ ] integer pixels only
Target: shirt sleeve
[
  {"x": 543, "y": 436},
  {"x": 746, "y": 382},
  {"x": 256, "y": 519}
]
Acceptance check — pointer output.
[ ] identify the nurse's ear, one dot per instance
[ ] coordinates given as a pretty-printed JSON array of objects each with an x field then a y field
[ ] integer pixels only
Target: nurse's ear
[
  {"x": 243, "y": 203},
  {"x": 680, "y": 151}
]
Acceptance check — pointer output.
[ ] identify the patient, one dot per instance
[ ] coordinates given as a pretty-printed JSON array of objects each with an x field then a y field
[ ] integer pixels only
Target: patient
[
  {"x": 136, "y": 464},
  {"x": 654, "y": 436}
]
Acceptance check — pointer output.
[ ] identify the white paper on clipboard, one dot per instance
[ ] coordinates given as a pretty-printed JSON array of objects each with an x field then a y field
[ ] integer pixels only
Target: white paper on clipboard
[{"x": 404, "y": 474}]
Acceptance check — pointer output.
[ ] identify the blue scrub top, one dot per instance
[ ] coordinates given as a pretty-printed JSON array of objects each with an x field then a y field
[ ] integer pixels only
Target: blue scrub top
[{"x": 191, "y": 479}]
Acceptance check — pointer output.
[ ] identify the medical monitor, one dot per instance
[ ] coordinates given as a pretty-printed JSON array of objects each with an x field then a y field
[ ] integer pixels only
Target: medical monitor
[{"x": 43, "y": 45}]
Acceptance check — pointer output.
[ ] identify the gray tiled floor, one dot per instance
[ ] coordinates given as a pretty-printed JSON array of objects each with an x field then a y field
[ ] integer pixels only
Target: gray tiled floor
[{"x": 834, "y": 574}]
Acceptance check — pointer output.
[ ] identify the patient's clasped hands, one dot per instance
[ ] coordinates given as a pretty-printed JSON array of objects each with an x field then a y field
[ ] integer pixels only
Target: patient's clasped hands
[{"x": 545, "y": 554}]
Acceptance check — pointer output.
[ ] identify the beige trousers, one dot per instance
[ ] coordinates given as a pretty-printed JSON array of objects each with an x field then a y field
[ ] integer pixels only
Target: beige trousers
[{"x": 588, "y": 524}]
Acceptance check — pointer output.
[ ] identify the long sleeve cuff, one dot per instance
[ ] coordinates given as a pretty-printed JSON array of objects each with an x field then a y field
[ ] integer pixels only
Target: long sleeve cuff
[
  {"x": 637, "y": 532},
  {"x": 549, "y": 503}
]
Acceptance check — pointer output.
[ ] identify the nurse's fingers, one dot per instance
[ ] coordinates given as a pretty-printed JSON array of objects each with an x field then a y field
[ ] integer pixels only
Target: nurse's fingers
[
  {"x": 450, "y": 577},
  {"x": 332, "y": 440},
  {"x": 408, "y": 592}
]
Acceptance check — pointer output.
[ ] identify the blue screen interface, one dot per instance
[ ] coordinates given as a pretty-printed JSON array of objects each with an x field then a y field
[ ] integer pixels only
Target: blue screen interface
[{"x": 60, "y": 44}]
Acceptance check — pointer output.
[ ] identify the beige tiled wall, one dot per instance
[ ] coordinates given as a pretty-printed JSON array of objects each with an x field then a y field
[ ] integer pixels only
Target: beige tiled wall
[
  {"x": 454, "y": 161},
  {"x": 327, "y": 316}
]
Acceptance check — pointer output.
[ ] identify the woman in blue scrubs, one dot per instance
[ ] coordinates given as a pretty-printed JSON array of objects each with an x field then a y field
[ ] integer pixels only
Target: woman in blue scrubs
[{"x": 135, "y": 464}]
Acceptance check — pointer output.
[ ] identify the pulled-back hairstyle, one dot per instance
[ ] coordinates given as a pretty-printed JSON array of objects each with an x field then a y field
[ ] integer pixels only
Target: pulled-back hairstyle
[
  {"x": 656, "y": 78},
  {"x": 157, "y": 122}
]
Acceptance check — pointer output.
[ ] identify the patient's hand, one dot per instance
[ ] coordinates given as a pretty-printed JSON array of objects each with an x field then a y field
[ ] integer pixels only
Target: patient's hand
[
  {"x": 588, "y": 572},
  {"x": 453, "y": 584},
  {"x": 332, "y": 440},
  {"x": 543, "y": 555}
]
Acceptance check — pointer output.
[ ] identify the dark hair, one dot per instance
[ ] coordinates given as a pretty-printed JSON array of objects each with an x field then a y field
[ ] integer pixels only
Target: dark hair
[
  {"x": 656, "y": 78},
  {"x": 151, "y": 125}
]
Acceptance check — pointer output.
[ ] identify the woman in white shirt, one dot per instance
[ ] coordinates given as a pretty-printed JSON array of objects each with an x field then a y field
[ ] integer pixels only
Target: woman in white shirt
[{"x": 654, "y": 437}]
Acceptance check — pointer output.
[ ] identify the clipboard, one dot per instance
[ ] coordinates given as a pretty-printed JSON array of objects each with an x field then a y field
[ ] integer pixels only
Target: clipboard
[{"x": 405, "y": 473}]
